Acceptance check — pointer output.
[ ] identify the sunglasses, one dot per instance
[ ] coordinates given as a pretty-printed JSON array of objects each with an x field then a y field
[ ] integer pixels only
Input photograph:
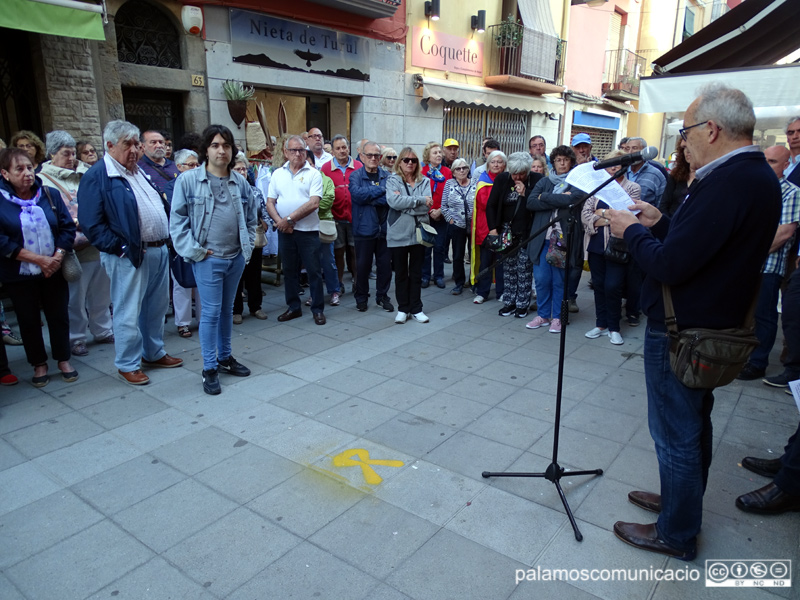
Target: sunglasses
[
  {"x": 461, "y": 169},
  {"x": 391, "y": 157},
  {"x": 410, "y": 161},
  {"x": 374, "y": 156}
]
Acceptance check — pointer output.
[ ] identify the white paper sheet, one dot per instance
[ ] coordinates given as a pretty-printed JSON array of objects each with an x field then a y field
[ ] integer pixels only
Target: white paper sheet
[
  {"x": 795, "y": 387},
  {"x": 585, "y": 178}
]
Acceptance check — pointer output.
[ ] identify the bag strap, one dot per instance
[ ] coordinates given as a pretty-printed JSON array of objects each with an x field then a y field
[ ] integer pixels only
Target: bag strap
[
  {"x": 58, "y": 185},
  {"x": 52, "y": 206},
  {"x": 672, "y": 322}
]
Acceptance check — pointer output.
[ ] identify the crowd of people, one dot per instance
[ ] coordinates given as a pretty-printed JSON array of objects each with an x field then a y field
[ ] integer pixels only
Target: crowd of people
[{"x": 137, "y": 215}]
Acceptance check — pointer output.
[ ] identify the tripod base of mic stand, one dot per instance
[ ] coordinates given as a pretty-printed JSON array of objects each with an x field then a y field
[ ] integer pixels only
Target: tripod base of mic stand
[{"x": 553, "y": 473}]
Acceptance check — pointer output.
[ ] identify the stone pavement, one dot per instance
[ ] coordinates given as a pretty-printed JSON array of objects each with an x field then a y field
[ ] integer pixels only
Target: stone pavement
[{"x": 348, "y": 466}]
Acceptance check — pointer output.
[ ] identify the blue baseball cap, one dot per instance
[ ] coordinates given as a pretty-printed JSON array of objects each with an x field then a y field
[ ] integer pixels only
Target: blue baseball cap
[{"x": 581, "y": 138}]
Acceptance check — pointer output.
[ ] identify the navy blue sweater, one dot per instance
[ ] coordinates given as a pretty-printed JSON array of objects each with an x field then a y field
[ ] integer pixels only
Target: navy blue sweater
[{"x": 711, "y": 252}]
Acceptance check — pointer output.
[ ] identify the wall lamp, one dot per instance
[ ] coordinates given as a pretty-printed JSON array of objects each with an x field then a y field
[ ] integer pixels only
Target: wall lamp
[
  {"x": 432, "y": 9},
  {"x": 478, "y": 22}
]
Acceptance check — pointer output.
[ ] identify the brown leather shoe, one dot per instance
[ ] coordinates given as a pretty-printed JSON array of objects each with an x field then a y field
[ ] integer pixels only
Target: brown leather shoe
[
  {"x": 165, "y": 362},
  {"x": 645, "y": 537},
  {"x": 646, "y": 500},
  {"x": 769, "y": 500},
  {"x": 134, "y": 377},
  {"x": 319, "y": 318},
  {"x": 289, "y": 315},
  {"x": 766, "y": 467}
]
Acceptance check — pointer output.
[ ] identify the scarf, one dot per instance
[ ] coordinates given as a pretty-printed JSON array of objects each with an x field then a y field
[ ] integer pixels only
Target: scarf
[
  {"x": 435, "y": 175},
  {"x": 560, "y": 182},
  {"x": 36, "y": 234}
]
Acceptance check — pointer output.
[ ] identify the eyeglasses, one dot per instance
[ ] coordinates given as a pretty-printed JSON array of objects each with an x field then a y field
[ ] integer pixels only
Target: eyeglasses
[
  {"x": 191, "y": 165},
  {"x": 296, "y": 150},
  {"x": 410, "y": 161},
  {"x": 391, "y": 157},
  {"x": 315, "y": 135},
  {"x": 461, "y": 169},
  {"x": 373, "y": 156},
  {"x": 683, "y": 131},
  {"x": 240, "y": 169}
]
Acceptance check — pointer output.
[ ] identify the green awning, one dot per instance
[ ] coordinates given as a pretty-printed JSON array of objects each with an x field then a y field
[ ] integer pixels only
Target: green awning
[{"x": 52, "y": 20}]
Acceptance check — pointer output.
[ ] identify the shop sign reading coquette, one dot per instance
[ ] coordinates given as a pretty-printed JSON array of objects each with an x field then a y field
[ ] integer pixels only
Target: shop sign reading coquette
[{"x": 444, "y": 52}]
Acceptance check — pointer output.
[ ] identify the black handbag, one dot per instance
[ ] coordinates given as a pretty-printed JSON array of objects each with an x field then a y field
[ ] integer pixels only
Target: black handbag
[
  {"x": 181, "y": 270},
  {"x": 617, "y": 251}
]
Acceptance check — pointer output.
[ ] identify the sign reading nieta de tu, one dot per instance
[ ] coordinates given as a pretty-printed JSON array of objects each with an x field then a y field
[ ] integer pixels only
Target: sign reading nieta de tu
[{"x": 258, "y": 39}]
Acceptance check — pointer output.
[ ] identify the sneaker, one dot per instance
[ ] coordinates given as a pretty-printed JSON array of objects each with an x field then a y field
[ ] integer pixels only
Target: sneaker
[
  {"x": 456, "y": 291},
  {"x": 9, "y": 379},
  {"x": 260, "y": 315},
  {"x": 308, "y": 302},
  {"x": 521, "y": 313},
  {"x": 447, "y": 261},
  {"x": 335, "y": 299},
  {"x": 596, "y": 333},
  {"x": 372, "y": 275},
  {"x": 237, "y": 319},
  {"x": 780, "y": 381},
  {"x": 426, "y": 283},
  {"x": 385, "y": 304},
  {"x": 10, "y": 338},
  {"x": 573, "y": 306},
  {"x": 400, "y": 317},
  {"x": 211, "y": 382},
  {"x": 478, "y": 300},
  {"x": 420, "y": 317},
  {"x": 633, "y": 321},
  {"x": 362, "y": 306},
  {"x": 616, "y": 338},
  {"x": 536, "y": 323},
  {"x": 440, "y": 283},
  {"x": 555, "y": 326},
  {"x": 79, "y": 349},
  {"x": 749, "y": 373},
  {"x": 507, "y": 310},
  {"x": 231, "y": 366}
]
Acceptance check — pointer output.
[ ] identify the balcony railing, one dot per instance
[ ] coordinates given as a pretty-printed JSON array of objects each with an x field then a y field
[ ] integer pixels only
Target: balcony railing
[
  {"x": 623, "y": 71},
  {"x": 520, "y": 51}
]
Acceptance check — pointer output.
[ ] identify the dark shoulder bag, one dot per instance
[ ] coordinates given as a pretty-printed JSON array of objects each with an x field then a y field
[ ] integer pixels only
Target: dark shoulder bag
[{"x": 708, "y": 358}]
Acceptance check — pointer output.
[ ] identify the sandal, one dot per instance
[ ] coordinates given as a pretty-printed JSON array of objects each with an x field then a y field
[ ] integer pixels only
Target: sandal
[{"x": 184, "y": 332}]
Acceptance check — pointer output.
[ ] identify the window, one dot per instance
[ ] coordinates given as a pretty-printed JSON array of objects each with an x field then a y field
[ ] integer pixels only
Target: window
[
  {"x": 470, "y": 124},
  {"x": 688, "y": 21},
  {"x": 145, "y": 36}
]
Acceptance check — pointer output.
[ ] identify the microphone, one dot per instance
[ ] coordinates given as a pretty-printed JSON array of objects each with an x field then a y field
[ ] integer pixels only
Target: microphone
[{"x": 626, "y": 160}]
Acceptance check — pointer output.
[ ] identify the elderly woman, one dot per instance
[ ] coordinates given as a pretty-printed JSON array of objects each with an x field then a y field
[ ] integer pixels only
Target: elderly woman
[
  {"x": 539, "y": 165},
  {"x": 608, "y": 277},
  {"x": 550, "y": 194},
  {"x": 484, "y": 258},
  {"x": 408, "y": 194},
  {"x": 457, "y": 202},
  {"x": 36, "y": 231},
  {"x": 388, "y": 160},
  {"x": 506, "y": 211},
  {"x": 32, "y": 145},
  {"x": 89, "y": 296},
  {"x": 251, "y": 276},
  {"x": 86, "y": 153},
  {"x": 432, "y": 156}
]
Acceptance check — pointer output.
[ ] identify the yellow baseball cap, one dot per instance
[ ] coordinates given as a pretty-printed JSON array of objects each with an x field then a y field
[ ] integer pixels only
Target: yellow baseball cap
[{"x": 450, "y": 142}]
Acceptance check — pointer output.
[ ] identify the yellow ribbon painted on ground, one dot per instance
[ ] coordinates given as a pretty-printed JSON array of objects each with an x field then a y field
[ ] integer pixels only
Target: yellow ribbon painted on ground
[{"x": 345, "y": 459}]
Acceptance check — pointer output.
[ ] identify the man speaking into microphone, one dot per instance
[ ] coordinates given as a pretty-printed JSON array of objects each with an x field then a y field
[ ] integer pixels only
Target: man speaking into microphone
[{"x": 711, "y": 250}]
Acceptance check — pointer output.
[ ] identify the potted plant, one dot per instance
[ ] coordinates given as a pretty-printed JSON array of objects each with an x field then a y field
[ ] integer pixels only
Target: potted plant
[
  {"x": 237, "y": 95},
  {"x": 508, "y": 40}
]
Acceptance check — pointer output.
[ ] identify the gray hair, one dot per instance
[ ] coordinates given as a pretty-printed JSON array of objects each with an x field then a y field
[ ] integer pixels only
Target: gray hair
[
  {"x": 792, "y": 120},
  {"x": 730, "y": 108},
  {"x": 299, "y": 138},
  {"x": 496, "y": 154},
  {"x": 338, "y": 137},
  {"x": 181, "y": 156},
  {"x": 637, "y": 139},
  {"x": 241, "y": 158},
  {"x": 58, "y": 139},
  {"x": 459, "y": 162},
  {"x": 119, "y": 131},
  {"x": 519, "y": 162},
  {"x": 371, "y": 143}
]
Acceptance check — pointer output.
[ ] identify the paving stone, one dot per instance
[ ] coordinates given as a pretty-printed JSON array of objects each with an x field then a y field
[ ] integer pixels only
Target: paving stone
[
  {"x": 385, "y": 592},
  {"x": 79, "y": 565},
  {"x": 387, "y": 364},
  {"x": 470, "y": 455},
  {"x": 154, "y": 579},
  {"x": 199, "y": 450},
  {"x": 636, "y": 467},
  {"x": 127, "y": 408},
  {"x": 397, "y": 394},
  {"x": 8, "y": 591},
  {"x": 413, "y": 435},
  {"x": 261, "y": 423},
  {"x": 509, "y": 428},
  {"x": 758, "y": 434},
  {"x": 778, "y": 410},
  {"x": 248, "y": 474},
  {"x": 307, "y": 442},
  {"x": 231, "y": 551},
  {"x": 356, "y": 415},
  {"x": 374, "y": 536},
  {"x": 32, "y": 411},
  {"x": 40, "y": 524},
  {"x": 432, "y": 574},
  {"x": 540, "y": 405},
  {"x": 85, "y": 392},
  {"x": 577, "y": 448},
  {"x": 549, "y": 589},
  {"x": 124, "y": 485},
  {"x": 449, "y": 410},
  {"x": 431, "y": 376},
  {"x": 265, "y": 387},
  {"x": 156, "y": 430},
  {"x": 481, "y": 389},
  {"x": 9, "y": 456},
  {"x": 23, "y": 484},
  {"x": 311, "y": 571},
  {"x": 52, "y": 434},
  {"x": 309, "y": 400},
  {"x": 167, "y": 517},
  {"x": 607, "y": 502},
  {"x": 312, "y": 368},
  {"x": 351, "y": 380}
]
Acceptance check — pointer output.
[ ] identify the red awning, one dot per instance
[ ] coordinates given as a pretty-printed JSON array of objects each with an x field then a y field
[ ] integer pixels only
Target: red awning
[{"x": 755, "y": 33}]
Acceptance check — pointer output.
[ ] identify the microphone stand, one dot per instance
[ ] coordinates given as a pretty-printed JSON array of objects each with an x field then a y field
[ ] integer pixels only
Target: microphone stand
[{"x": 554, "y": 471}]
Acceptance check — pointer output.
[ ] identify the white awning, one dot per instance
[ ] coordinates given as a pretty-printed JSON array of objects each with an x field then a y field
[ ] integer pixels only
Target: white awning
[
  {"x": 772, "y": 86},
  {"x": 482, "y": 96}
]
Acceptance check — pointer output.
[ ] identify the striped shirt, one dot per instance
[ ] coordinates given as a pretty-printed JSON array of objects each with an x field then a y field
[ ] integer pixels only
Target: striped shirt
[{"x": 790, "y": 213}]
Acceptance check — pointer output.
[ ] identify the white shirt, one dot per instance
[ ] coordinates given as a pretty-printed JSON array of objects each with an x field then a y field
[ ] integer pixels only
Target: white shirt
[
  {"x": 290, "y": 191},
  {"x": 321, "y": 160}
]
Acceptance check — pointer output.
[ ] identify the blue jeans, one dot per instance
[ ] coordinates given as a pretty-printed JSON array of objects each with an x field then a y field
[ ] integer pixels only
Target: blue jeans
[
  {"x": 140, "y": 298},
  {"x": 607, "y": 279},
  {"x": 766, "y": 319},
  {"x": 680, "y": 425},
  {"x": 217, "y": 280},
  {"x": 328, "y": 264},
  {"x": 437, "y": 250},
  {"x": 549, "y": 282},
  {"x": 297, "y": 247}
]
